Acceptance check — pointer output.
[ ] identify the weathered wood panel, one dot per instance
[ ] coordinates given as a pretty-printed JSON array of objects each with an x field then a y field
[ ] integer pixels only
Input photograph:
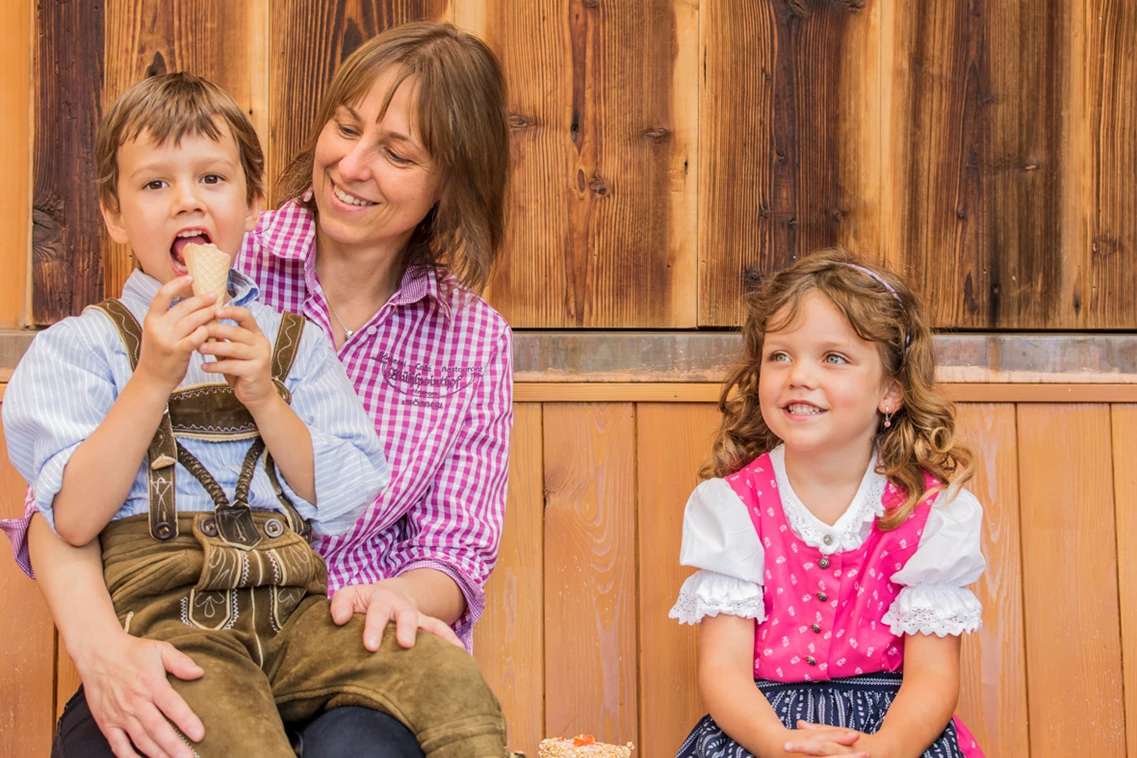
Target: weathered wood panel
[
  {"x": 308, "y": 41},
  {"x": 17, "y": 25},
  {"x": 789, "y": 140},
  {"x": 26, "y": 714},
  {"x": 509, "y": 641},
  {"x": 603, "y": 99},
  {"x": 590, "y": 580},
  {"x": 221, "y": 41},
  {"x": 1073, "y": 645},
  {"x": 672, "y": 441},
  {"x": 993, "y": 701},
  {"x": 67, "y": 271},
  {"x": 1100, "y": 204},
  {"x": 67, "y": 679},
  {"x": 1124, "y": 429}
]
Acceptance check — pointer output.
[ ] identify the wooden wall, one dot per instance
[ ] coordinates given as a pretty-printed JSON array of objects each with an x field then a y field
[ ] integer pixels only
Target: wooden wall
[
  {"x": 576, "y": 636},
  {"x": 665, "y": 150}
]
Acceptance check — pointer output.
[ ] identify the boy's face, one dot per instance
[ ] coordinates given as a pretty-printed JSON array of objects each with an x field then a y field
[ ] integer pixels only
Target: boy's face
[{"x": 170, "y": 195}]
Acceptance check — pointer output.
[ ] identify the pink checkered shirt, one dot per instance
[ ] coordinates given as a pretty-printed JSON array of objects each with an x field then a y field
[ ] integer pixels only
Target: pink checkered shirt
[{"x": 434, "y": 370}]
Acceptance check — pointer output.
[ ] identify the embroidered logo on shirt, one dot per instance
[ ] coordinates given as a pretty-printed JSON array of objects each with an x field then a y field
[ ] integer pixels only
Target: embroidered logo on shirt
[{"x": 422, "y": 383}]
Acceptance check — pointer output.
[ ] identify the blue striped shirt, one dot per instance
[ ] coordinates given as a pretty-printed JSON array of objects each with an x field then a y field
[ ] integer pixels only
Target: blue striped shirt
[{"x": 67, "y": 382}]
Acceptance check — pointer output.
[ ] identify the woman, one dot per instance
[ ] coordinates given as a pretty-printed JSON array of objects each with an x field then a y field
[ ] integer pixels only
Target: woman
[{"x": 394, "y": 219}]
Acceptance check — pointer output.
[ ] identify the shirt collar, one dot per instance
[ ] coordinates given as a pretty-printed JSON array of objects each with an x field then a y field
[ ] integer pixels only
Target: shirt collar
[
  {"x": 290, "y": 234},
  {"x": 141, "y": 289}
]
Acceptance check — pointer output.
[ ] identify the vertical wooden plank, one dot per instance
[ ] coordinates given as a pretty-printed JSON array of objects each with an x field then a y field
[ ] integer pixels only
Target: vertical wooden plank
[
  {"x": 672, "y": 441},
  {"x": 590, "y": 582},
  {"x": 975, "y": 159},
  {"x": 67, "y": 679},
  {"x": 1124, "y": 418},
  {"x": 993, "y": 701},
  {"x": 1073, "y": 646},
  {"x": 309, "y": 39},
  {"x": 17, "y": 27},
  {"x": 221, "y": 41},
  {"x": 67, "y": 273},
  {"x": 789, "y": 140},
  {"x": 1100, "y": 206},
  {"x": 26, "y": 719},
  {"x": 604, "y": 114},
  {"x": 509, "y": 639}
]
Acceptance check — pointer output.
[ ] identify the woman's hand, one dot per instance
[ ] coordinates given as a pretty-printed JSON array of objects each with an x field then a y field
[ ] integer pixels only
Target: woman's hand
[
  {"x": 131, "y": 699},
  {"x": 388, "y": 600}
]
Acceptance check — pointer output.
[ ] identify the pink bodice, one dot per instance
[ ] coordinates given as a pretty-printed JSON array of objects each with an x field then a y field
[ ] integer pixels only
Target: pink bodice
[{"x": 823, "y": 612}]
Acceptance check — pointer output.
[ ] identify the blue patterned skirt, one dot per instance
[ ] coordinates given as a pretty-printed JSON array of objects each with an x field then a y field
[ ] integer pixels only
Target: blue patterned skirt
[{"x": 858, "y": 702}]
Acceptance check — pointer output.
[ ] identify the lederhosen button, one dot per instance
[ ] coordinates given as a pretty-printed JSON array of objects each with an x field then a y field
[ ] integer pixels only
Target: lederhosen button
[
  {"x": 209, "y": 527},
  {"x": 163, "y": 530},
  {"x": 273, "y": 528}
]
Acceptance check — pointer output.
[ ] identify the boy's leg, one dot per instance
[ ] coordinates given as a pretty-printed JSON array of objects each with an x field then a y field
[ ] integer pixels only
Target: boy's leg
[
  {"x": 434, "y": 688},
  {"x": 234, "y": 699}
]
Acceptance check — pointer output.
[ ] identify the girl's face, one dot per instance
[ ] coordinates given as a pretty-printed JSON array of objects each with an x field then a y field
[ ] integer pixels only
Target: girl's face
[
  {"x": 372, "y": 179},
  {"x": 821, "y": 386}
]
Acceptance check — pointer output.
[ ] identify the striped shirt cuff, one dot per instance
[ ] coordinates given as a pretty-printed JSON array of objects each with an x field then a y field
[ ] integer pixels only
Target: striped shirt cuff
[{"x": 475, "y": 597}]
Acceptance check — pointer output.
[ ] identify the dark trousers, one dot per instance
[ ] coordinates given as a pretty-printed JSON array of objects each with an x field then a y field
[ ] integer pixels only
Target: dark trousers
[{"x": 351, "y": 730}]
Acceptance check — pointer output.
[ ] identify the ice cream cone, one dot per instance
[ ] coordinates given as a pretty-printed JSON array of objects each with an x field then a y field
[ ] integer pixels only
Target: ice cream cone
[{"x": 209, "y": 268}]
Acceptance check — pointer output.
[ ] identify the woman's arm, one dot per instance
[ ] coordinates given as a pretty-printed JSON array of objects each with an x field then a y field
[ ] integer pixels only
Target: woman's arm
[{"x": 124, "y": 677}]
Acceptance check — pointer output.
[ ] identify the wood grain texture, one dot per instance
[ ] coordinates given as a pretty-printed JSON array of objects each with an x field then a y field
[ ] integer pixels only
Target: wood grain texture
[
  {"x": 1124, "y": 428},
  {"x": 67, "y": 271},
  {"x": 1099, "y": 204},
  {"x": 17, "y": 25},
  {"x": 1073, "y": 645},
  {"x": 308, "y": 40},
  {"x": 67, "y": 679},
  {"x": 590, "y": 573},
  {"x": 604, "y": 111},
  {"x": 789, "y": 140},
  {"x": 993, "y": 700},
  {"x": 220, "y": 41},
  {"x": 509, "y": 641},
  {"x": 26, "y": 713},
  {"x": 672, "y": 441}
]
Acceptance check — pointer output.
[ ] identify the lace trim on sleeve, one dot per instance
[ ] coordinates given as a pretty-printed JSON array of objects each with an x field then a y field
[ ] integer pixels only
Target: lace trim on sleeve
[
  {"x": 934, "y": 609},
  {"x": 706, "y": 593}
]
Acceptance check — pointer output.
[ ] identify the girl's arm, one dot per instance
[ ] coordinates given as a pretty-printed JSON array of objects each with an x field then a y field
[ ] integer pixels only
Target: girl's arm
[
  {"x": 926, "y": 701},
  {"x": 726, "y": 682},
  {"x": 124, "y": 677}
]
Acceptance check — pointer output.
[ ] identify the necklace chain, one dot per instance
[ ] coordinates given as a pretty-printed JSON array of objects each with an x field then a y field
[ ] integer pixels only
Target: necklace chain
[{"x": 347, "y": 333}]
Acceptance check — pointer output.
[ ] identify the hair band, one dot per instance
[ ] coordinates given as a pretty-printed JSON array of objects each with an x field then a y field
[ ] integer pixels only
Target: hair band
[{"x": 887, "y": 286}]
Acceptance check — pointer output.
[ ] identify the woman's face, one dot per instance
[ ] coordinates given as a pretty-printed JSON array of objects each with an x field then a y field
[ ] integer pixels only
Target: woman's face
[{"x": 372, "y": 179}]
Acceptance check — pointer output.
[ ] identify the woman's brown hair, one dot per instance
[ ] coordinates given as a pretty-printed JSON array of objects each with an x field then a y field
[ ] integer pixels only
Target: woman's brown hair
[
  {"x": 921, "y": 437},
  {"x": 462, "y": 120}
]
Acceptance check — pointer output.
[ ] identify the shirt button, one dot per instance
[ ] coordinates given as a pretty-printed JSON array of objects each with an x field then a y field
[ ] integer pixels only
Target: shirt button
[
  {"x": 823, "y": 563},
  {"x": 827, "y": 539},
  {"x": 822, "y": 596},
  {"x": 371, "y": 330},
  {"x": 811, "y": 660},
  {"x": 816, "y": 629}
]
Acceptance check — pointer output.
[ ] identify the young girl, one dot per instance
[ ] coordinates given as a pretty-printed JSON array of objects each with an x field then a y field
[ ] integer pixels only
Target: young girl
[{"x": 835, "y": 548}]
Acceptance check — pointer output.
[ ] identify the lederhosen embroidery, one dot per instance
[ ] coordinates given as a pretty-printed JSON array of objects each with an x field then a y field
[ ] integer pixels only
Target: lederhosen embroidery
[{"x": 212, "y": 412}]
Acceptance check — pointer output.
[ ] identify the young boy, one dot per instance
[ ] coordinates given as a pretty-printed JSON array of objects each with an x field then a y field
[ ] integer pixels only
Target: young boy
[{"x": 198, "y": 453}]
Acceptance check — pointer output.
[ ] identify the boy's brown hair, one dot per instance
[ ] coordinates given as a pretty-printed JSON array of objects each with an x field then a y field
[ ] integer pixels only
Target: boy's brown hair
[{"x": 169, "y": 107}]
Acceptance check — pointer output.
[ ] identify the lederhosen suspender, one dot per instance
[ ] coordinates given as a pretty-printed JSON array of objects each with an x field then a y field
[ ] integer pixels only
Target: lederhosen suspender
[{"x": 210, "y": 411}]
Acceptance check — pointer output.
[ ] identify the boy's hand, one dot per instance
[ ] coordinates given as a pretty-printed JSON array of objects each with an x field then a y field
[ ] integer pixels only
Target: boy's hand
[
  {"x": 170, "y": 335},
  {"x": 244, "y": 356}
]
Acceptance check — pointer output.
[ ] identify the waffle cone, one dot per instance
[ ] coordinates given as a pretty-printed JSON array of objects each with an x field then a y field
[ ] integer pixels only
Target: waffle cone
[{"x": 209, "y": 268}]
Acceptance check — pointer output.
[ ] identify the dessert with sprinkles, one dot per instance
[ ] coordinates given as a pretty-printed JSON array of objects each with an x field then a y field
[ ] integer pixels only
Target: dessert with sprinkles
[{"x": 582, "y": 746}]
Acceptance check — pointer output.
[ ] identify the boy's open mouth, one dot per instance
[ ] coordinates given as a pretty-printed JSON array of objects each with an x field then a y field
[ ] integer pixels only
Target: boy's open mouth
[{"x": 195, "y": 235}]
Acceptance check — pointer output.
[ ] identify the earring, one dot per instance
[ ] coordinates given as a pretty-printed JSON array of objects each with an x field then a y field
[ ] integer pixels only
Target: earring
[{"x": 887, "y": 419}]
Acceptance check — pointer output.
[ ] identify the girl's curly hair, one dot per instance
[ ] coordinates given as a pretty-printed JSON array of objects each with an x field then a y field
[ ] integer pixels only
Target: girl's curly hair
[{"x": 922, "y": 436}]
